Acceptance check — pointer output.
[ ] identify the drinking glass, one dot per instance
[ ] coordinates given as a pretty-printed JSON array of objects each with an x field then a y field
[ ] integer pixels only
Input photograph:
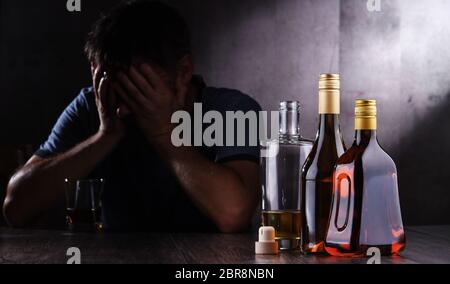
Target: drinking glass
[{"x": 83, "y": 205}]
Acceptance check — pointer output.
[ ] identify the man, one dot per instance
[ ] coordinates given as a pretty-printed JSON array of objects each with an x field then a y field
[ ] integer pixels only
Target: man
[{"x": 120, "y": 130}]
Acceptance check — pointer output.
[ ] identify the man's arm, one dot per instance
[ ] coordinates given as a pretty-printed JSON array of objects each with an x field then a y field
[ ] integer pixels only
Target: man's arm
[
  {"x": 227, "y": 193},
  {"x": 40, "y": 183}
]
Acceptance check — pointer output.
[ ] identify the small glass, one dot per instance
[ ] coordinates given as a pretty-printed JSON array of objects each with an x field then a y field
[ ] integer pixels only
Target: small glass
[{"x": 83, "y": 205}]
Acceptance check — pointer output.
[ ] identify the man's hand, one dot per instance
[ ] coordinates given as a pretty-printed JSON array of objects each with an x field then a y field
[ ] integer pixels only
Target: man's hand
[
  {"x": 108, "y": 107},
  {"x": 150, "y": 98},
  {"x": 39, "y": 186}
]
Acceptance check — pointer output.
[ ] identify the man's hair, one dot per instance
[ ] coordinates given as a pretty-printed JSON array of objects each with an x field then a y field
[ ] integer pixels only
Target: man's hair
[{"x": 150, "y": 30}]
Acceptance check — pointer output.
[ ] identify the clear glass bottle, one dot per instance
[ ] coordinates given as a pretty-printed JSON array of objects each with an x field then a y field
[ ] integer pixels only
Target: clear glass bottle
[
  {"x": 365, "y": 211},
  {"x": 280, "y": 177}
]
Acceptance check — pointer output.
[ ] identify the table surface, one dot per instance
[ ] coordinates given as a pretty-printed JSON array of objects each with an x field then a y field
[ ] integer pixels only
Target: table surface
[{"x": 428, "y": 244}]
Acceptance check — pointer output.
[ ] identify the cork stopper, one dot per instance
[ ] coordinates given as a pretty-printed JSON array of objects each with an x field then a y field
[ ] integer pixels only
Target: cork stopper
[{"x": 266, "y": 243}]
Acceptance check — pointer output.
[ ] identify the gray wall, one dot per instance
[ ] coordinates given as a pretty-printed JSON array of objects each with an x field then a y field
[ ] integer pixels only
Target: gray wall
[
  {"x": 42, "y": 65},
  {"x": 273, "y": 50},
  {"x": 400, "y": 56},
  {"x": 270, "y": 49}
]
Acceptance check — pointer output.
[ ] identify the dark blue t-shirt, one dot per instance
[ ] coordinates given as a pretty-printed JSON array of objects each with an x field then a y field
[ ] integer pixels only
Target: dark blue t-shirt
[{"x": 141, "y": 193}]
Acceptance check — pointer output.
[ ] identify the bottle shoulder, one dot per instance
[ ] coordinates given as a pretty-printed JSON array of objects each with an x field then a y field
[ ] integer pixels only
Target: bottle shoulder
[
  {"x": 350, "y": 155},
  {"x": 368, "y": 157},
  {"x": 321, "y": 160},
  {"x": 300, "y": 141},
  {"x": 375, "y": 156}
]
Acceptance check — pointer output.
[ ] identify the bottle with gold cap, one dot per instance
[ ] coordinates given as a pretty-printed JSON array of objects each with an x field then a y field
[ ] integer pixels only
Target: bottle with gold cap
[
  {"x": 317, "y": 171},
  {"x": 366, "y": 209}
]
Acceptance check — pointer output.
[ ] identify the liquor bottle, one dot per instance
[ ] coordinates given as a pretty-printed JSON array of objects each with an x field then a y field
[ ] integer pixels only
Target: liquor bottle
[
  {"x": 317, "y": 171},
  {"x": 280, "y": 169},
  {"x": 366, "y": 208}
]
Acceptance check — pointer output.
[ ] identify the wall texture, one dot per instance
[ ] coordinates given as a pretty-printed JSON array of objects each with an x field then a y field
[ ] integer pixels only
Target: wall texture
[
  {"x": 272, "y": 50},
  {"x": 42, "y": 65},
  {"x": 423, "y": 150},
  {"x": 400, "y": 57},
  {"x": 269, "y": 49}
]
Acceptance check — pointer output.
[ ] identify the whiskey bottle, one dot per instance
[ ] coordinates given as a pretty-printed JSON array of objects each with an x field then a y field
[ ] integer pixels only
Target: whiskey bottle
[
  {"x": 366, "y": 208},
  {"x": 280, "y": 170},
  {"x": 317, "y": 171}
]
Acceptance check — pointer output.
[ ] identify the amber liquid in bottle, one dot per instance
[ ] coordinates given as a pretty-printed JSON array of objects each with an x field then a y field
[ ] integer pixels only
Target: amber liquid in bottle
[
  {"x": 281, "y": 165},
  {"x": 317, "y": 172},
  {"x": 366, "y": 210},
  {"x": 286, "y": 223}
]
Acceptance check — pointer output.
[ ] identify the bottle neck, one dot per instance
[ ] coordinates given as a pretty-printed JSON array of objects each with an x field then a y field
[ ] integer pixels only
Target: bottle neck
[
  {"x": 329, "y": 125},
  {"x": 289, "y": 123},
  {"x": 365, "y": 136}
]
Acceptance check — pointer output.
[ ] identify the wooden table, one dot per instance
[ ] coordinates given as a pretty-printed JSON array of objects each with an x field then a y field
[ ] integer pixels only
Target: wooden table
[{"x": 430, "y": 244}]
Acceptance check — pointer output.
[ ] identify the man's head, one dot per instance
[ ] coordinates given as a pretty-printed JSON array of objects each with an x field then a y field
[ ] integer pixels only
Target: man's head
[{"x": 146, "y": 31}]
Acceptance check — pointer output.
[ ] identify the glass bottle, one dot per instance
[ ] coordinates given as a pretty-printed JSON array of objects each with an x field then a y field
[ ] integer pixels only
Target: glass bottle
[
  {"x": 318, "y": 168},
  {"x": 366, "y": 208},
  {"x": 280, "y": 170}
]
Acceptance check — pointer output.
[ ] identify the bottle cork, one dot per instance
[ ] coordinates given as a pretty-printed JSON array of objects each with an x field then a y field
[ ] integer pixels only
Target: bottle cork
[{"x": 266, "y": 243}]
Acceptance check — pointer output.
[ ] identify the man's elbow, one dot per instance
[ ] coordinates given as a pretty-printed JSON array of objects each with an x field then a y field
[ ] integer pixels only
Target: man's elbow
[
  {"x": 12, "y": 203},
  {"x": 234, "y": 221},
  {"x": 11, "y": 214}
]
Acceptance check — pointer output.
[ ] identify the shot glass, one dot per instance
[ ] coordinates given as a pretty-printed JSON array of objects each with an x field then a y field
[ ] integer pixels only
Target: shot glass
[{"x": 83, "y": 205}]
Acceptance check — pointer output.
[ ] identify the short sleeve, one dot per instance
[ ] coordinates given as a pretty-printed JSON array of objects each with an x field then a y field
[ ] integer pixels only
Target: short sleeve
[
  {"x": 238, "y": 102},
  {"x": 70, "y": 128}
]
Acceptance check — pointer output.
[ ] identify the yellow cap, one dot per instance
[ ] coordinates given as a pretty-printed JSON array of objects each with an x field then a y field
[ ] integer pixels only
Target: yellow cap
[
  {"x": 366, "y": 114},
  {"x": 329, "y": 81},
  {"x": 329, "y": 94}
]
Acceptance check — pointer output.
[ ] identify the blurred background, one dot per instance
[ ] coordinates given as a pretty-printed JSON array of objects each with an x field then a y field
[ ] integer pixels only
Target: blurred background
[{"x": 272, "y": 50}]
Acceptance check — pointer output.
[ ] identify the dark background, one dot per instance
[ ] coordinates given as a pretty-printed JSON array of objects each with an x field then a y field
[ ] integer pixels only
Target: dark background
[{"x": 273, "y": 50}]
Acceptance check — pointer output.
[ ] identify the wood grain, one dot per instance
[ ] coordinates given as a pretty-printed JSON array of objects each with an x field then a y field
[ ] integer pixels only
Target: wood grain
[{"x": 424, "y": 245}]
